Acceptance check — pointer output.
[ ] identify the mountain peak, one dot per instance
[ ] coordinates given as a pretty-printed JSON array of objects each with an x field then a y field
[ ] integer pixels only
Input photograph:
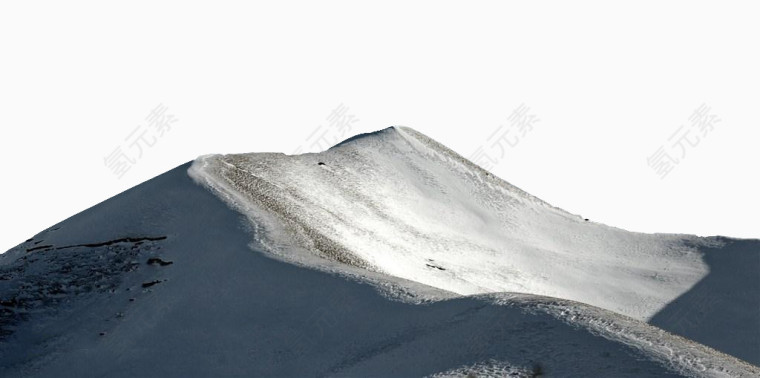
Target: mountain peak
[
  {"x": 373, "y": 135},
  {"x": 343, "y": 204}
]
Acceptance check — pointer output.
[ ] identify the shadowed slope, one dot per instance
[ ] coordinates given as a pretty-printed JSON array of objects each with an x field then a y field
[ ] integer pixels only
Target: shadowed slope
[{"x": 723, "y": 309}]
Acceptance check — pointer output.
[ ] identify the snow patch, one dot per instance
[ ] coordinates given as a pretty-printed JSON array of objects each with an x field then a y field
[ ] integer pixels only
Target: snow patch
[{"x": 392, "y": 201}]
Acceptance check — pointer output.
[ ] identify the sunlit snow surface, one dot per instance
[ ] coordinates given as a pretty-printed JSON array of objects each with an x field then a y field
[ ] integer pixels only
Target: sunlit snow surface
[{"x": 399, "y": 203}]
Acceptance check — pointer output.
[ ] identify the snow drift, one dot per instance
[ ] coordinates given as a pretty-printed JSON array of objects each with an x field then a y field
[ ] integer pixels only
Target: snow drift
[{"x": 399, "y": 203}]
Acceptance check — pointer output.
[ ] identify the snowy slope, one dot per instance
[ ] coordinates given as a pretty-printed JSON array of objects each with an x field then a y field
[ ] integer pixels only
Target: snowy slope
[
  {"x": 163, "y": 280},
  {"x": 399, "y": 203}
]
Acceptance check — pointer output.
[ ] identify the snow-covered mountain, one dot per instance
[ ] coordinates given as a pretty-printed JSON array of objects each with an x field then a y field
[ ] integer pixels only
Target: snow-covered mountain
[
  {"x": 362, "y": 261},
  {"x": 399, "y": 203}
]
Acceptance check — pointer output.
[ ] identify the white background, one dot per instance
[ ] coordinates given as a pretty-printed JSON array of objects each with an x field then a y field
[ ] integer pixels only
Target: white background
[{"x": 609, "y": 85}]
